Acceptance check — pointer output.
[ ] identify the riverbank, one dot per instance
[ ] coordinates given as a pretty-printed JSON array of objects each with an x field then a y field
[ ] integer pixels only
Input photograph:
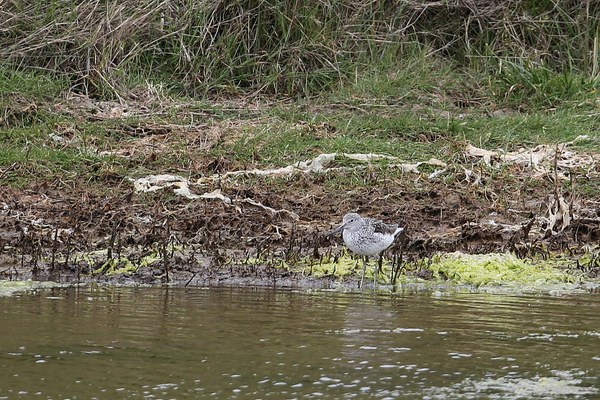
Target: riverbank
[
  {"x": 151, "y": 201},
  {"x": 142, "y": 152}
]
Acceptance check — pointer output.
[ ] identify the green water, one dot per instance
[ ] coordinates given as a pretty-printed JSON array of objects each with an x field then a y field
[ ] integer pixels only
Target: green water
[{"x": 223, "y": 343}]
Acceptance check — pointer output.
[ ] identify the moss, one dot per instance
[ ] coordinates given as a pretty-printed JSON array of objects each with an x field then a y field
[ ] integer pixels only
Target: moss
[
  {"x": 340, "y": 267},
  {"x": 457, "y": 270},
  {"x": 10, "y": 288},
  {"x": 500, "y": 269}
]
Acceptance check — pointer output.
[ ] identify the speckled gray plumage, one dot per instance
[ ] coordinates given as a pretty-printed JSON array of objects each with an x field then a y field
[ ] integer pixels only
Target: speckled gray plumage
[{"x": 367, "y": 236}]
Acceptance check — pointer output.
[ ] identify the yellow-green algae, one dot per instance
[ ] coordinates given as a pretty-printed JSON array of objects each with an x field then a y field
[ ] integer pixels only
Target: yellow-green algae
[
  {"x": 10, "y": 288},
  {"x": 458, "y": 269},
  {"x": 124, "y": 265},
  {"x": 341, "y": 267},
  {"x": 500, "y": 269}
]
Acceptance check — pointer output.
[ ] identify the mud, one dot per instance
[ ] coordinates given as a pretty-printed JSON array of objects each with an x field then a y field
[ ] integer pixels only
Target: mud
[
  {"x": 45, "y": 233},
  {"x": 105, "y": 231}
]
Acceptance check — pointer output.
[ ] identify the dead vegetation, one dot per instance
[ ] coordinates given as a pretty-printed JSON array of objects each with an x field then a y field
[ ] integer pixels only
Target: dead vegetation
[
  {"x": 225, "y": 223},
  {"x": 282, "y": 47},
  {"x": 136, "y": 186}
]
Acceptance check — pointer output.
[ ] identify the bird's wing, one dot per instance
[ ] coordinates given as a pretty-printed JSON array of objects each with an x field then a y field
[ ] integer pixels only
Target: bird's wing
[{"x": 383, "y": 228}]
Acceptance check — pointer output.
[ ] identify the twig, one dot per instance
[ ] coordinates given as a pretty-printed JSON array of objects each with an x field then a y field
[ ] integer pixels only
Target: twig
[{"x": 8, "y": 170}]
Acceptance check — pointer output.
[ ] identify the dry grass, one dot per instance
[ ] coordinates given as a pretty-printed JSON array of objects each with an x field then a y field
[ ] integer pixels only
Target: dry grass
[{"x": 105, "y": 47}]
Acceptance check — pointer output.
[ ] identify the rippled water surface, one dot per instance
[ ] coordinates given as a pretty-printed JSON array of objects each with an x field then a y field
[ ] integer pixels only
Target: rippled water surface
[{"x": 166, "y": 343}]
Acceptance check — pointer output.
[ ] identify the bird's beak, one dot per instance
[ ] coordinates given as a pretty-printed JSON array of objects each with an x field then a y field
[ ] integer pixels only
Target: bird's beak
[{"x": 337, "y": 230}]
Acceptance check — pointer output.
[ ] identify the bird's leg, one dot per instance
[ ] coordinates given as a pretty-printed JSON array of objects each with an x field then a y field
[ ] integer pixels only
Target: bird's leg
[
  {"x": 362, "y": 279},
  {"x": 379, "y": 267},
  {"x": 375, "y": 274}
]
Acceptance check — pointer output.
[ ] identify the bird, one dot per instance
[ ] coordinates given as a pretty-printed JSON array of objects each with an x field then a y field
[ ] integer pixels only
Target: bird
[{"x": 366, "y": 237}]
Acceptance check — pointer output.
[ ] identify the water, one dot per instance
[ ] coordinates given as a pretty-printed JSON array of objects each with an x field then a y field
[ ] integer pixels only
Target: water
[{"x": 157, "y": 343}]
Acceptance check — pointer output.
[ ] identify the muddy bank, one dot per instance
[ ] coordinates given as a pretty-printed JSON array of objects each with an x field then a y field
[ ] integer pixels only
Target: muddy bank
[
  {"x": 217, "y": 221},
  {"x": 242, "y": 237}
]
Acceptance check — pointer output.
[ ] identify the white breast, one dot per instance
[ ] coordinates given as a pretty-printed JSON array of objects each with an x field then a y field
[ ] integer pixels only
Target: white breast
[{"x": 367, "y": 244}]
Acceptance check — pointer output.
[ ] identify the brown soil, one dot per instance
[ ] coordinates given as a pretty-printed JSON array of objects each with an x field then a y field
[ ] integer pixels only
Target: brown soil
[{"x": 54, "y": 231}]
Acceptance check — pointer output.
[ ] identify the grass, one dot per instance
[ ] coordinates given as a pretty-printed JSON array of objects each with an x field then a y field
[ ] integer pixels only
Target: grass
[
  {"x": 299, "y": 48},
  {"x": 327, "y": 77},
  {"x": 281, "y": 135},
  {"x": 523, "y": 85},
  {"x": 94, "y": 93}
]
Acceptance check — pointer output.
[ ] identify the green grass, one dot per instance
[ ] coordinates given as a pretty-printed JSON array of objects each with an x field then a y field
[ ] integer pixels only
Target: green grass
[
  {"x": 404, "y": 134},
  {"x": 523, "y": 85},
  {"x": 348, "y": 120},
  {"x": 334, "y": 81},
  {"x": 23, "y": 96}
]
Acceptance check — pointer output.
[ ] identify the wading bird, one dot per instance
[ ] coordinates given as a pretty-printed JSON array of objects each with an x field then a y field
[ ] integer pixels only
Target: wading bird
[{"x": 366, "y": 237}]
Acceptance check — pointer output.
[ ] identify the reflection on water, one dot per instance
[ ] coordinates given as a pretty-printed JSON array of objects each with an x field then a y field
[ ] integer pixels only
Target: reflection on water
[{"x": 171, "y": 343}]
